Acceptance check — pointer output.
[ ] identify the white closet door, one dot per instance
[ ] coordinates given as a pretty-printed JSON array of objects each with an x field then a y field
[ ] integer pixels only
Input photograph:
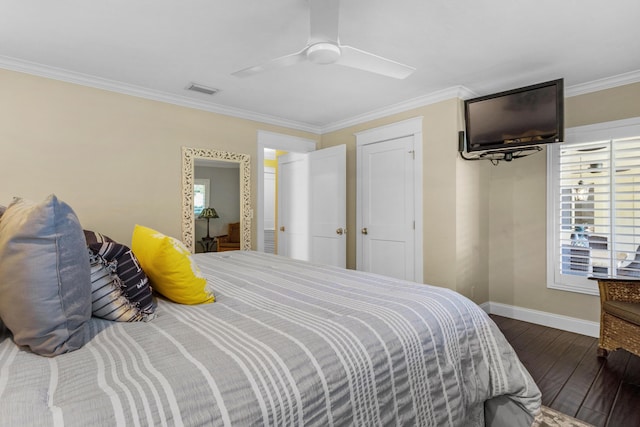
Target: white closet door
[
  {"x": 387, "y": 230},
  {"x": 328, "y": 192},
  {"x": 293, "y": 206}
]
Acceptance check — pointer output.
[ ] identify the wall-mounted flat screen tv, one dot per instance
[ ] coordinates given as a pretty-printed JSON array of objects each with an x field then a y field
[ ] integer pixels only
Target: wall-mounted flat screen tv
[{"x": 527, "y": 116}]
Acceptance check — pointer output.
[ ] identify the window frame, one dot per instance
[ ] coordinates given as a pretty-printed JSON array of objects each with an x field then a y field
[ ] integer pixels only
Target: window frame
[
  {"x": 607, "y": 131},
  {"x": 207, "y": 192}
]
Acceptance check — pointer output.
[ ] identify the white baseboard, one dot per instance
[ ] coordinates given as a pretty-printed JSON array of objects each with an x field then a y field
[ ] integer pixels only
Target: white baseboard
[{"x": 558, "y": 321}]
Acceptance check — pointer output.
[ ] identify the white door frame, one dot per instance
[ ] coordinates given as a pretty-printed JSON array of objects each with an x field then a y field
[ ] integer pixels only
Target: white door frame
[
  {"x": 412, "y": 128},
  {"x": 276, "y": 141}
]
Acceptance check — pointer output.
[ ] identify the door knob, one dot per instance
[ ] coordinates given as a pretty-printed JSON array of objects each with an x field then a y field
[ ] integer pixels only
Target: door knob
[
  {"x": 340, "y": 231},
  {"x": 282, "y": 228},
  {"x": 364, "y": 230}
]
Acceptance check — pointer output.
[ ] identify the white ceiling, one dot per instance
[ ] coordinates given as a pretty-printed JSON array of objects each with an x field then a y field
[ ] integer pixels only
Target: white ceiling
[{"x": 156, "y": 48}]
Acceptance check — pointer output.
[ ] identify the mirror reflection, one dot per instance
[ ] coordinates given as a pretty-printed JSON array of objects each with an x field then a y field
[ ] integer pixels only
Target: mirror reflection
[
  {"x": 216, "y": 209},
  {"x": 216, "y": 201}
]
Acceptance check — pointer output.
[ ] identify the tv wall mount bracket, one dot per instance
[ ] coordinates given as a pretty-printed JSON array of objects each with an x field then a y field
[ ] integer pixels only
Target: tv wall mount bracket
[{"x": 496, "y": 156}]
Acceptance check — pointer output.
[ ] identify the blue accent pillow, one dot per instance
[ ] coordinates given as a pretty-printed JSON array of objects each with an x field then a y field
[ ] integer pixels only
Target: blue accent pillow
[{"x": 45, "y": 288}]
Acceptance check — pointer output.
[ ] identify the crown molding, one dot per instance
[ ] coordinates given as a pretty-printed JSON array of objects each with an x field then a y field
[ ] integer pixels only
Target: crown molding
[
  {"x": 420, "y": 101},
  {"x": 460, "y": 92},
  {"x": 463, "y": 92},
  {"x": 126, "y": 89},
  {"x": 602, "y": 84}
]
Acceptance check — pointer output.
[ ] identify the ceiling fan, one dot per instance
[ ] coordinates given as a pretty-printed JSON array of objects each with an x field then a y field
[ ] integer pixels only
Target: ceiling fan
[{"x": 323, "y": 47}]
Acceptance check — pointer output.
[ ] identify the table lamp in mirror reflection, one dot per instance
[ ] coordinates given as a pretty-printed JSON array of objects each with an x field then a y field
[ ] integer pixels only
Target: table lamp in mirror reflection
[{"x": 208, "y": 213}]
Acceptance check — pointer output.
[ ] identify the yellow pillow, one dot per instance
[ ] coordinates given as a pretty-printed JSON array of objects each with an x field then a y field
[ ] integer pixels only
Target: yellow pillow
[{"x": 169, "y": 265}]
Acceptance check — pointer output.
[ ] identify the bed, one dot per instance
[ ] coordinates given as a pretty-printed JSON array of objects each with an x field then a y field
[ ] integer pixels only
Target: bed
[{"x": 286, "y": 343}]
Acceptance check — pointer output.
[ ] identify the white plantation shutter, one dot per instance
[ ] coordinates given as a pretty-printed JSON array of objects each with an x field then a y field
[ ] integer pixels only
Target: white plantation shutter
[
  {"x": 626, "y": 205},
  {"x": 594, "y": 206}
]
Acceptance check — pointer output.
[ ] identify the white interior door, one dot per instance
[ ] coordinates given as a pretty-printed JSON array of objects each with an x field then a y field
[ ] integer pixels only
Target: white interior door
[
  {"x": 293, "y": 206},
  {"x": 269, "y": 227},
  {"x": 269, "y": 198},
  {"x": 387, "y": 223},
  {"x": 268, "y": 144},
  {"x": 312, "y": 211},
  {"x": 328, "y": 192}
]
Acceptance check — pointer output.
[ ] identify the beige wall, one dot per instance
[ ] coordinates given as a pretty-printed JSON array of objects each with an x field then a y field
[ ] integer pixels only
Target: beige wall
[
  {"x": 114, "y": 158},
  {"x": 517, "y": 219},
  {"x": 454, "y": 236},
  {"x": 483, "y": 224},
  {"x": 472, "y": 231},
  {"x": 622, "y": 102}
]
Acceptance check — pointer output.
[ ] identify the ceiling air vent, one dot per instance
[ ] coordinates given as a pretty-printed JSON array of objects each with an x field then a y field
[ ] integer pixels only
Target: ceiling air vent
[{"x": 202, "y": 89}]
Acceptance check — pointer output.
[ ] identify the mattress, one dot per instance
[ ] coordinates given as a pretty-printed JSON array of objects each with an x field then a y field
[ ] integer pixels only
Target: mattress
[{"x": 287, "y": 343}]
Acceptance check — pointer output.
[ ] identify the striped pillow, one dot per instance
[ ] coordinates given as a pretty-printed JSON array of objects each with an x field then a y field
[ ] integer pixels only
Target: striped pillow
[
  {"x": 107, "y": 296},
  {"x": 94, "y": 237},
  {"x": 134, "y": 281}
]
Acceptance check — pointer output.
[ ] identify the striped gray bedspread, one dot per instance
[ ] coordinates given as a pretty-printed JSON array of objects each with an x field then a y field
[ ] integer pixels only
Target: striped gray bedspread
[{"x": 287, "y": 343}]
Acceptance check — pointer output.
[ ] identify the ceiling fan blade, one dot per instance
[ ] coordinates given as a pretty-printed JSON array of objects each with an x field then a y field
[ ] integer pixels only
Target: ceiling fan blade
[
  {"x": 283, "y": 61},
  {"x": 356, "y": 58},
  {"x": 324, "y": 20}
]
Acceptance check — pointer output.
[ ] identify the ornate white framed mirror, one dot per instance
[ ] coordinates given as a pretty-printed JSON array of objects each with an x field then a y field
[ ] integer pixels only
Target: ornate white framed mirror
[{"x": 189, "y": 157}]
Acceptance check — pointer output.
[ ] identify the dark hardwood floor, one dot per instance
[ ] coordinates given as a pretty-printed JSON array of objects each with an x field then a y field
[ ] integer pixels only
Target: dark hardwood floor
[{"x": 573, "y": 380}]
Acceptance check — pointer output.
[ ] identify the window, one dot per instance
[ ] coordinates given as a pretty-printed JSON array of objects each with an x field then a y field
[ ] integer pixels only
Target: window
[
  {"x": 200, "y": 195},
  {"x": 593, "y": 205}
]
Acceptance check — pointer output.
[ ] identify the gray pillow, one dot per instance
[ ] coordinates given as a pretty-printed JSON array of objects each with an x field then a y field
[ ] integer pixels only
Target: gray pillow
[{"x": 45, "y": 288}]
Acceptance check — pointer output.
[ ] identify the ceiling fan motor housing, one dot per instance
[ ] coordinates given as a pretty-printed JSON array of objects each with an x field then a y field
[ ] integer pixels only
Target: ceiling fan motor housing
[
  {"x": 323, "y": 53},
  {"x": 323, "y": 47}
]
